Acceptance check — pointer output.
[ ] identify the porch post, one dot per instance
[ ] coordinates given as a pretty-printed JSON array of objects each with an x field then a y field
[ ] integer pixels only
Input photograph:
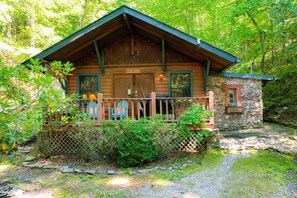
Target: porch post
[
  {"x": 153, "y": 105},
  {"x": 100, "y": 107},
  {"x": 211, "y": 105}
]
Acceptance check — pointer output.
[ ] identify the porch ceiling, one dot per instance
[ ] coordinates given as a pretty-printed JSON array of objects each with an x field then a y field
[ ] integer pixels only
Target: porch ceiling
[{"x": 113, "y": 25}]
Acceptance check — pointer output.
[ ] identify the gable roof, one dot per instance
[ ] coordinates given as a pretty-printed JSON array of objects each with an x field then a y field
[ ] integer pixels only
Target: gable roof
[{"x": 113, "y": 24}]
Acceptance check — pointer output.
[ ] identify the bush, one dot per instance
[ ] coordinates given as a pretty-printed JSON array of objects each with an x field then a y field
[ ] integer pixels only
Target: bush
[
  {"x": 88, "y": 136},
  {"x": 135, "y": 142},
  {"x": 194, "y": 119}
]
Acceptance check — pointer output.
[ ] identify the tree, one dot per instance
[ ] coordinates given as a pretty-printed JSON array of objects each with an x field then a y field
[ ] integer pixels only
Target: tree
[{"x": 27, "y": 94}]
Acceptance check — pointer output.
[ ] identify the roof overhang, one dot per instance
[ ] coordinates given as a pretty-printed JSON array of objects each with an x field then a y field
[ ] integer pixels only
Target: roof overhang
[
  {"x": 113, "y": 24},
  {"x": 244, "y": 76}
]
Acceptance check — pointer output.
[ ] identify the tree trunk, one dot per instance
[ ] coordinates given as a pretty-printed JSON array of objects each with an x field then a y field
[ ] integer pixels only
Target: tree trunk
[{"x": 261, "y": 41}]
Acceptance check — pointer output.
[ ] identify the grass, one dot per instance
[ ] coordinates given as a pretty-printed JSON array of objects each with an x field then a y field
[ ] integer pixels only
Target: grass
[
  {"x": 264, "y": 175},
  {"x": 13, "y": 158}
]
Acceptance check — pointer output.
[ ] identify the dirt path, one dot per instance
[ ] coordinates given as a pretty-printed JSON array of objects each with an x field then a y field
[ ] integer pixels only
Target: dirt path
[{"x": 207, "y": 183}]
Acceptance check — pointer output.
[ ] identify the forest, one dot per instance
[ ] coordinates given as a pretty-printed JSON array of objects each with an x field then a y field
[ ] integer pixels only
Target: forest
[{"x": 261, "y": 32}]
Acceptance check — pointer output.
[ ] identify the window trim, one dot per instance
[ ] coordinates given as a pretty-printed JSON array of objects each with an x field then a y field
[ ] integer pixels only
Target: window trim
[
  {"x": 180, "y": 72},
  {"x": 87, "y": 74},
  {"x": 237, "y": 88}
]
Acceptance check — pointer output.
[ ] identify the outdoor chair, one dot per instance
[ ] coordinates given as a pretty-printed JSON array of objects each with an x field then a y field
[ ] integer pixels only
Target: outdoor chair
[
  {"x": 91, "y": 110},
  {"x": 117, "y": 112}
]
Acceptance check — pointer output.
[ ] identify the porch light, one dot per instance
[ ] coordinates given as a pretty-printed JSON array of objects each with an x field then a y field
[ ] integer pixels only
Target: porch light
[{"x": 161, "y": 77}]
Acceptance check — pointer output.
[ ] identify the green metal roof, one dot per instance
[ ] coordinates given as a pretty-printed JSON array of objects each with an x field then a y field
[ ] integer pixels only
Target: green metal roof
[
  {"x": 149, "y": 20},
  {"x": 249, "y": 76}
]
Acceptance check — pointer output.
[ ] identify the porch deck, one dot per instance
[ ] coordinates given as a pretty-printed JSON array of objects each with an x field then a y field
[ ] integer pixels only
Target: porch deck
[{"x": 100, "y": 109}]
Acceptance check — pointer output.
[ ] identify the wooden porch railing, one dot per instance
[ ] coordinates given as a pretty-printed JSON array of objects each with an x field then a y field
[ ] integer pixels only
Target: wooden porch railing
[{"x": 101, "y": 108}]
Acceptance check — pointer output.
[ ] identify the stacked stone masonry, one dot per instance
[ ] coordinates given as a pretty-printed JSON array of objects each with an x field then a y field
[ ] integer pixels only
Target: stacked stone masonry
[{"x": 251, "y": 100}]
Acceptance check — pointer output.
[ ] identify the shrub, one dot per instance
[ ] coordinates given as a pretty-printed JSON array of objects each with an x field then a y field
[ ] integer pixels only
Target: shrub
[
  {"x": 135, "y": 142},
  {"x": 192, "y": 119},
  {"x": 88, "y": 135}
]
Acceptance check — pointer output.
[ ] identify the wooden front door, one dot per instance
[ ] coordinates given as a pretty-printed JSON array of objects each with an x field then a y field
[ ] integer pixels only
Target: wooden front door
[{"x": 140, "y": 85}]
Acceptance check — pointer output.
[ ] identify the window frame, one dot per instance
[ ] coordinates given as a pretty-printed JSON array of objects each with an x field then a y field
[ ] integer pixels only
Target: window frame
[
  {"x": 237, "y": 88},
  {"x": 87, "y": 75},
  {"x": 180, "y": 72}
]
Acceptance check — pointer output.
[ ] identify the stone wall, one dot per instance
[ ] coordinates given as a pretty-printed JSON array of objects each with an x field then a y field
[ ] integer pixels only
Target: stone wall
[{"x": 251, "y": 100}]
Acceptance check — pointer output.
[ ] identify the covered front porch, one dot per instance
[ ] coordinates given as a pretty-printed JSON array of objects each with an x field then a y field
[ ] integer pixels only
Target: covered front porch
[{"x": 100, "y": 109}]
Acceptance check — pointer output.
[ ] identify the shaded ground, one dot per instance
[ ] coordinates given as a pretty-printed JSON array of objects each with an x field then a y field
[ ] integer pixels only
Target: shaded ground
[
  {"x": 206, "y": 183},
  {"x": 241, "y": 173},
  {"x": 271, "y": 136}
]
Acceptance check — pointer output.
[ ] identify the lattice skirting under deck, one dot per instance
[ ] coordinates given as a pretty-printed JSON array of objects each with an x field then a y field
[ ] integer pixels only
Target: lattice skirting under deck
[{"x": 63, "y": 141}]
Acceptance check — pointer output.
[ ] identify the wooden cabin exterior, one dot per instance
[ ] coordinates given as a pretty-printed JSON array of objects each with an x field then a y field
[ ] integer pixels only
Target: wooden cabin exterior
[
  {"x": 129, "y": 58},
  {"x": 141, "y": 73}
]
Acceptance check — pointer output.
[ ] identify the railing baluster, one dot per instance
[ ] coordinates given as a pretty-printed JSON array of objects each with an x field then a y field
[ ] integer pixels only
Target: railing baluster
[
  {"x": 103, "y": 110},
  {"x": 160, "y": 106},
  {"x": 114, "y": 109},
  {"x": 121, "y": 109},
  {"x": 127, "y": 108},
  {"x": 144, "y": 109},
  {"x": 138, "y": 109},
  {"x": 132, "y": 109},
  {"x": 82, "y": 107},
  {"x": 167, "y": 117},
  {"x": 173, "y": 110},
  {"x": 153, "y": 104},
  {"x": 109, "y": 113}
]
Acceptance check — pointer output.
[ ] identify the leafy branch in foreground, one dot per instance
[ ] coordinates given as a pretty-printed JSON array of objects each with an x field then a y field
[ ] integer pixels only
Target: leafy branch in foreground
[{"x": 27, "y": 93}]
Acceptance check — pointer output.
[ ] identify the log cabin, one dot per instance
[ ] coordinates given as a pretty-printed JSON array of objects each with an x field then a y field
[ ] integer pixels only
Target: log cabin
[{"x": 128, "y": 64}]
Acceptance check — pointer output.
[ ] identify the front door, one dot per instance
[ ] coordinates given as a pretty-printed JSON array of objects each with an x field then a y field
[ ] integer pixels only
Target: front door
[{"x": 133, "y": 85}]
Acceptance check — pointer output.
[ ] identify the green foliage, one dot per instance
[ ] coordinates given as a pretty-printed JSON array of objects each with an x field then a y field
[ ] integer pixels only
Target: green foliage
[
  {"x": 192, "y": 119},
  {"x": 26, "y": 95},
  {"x": 88, "y": 135},
  {"x": 280, "y": 97},
  {"x": 196, "y": 115},
  {"x": 258, "y": 31},
  {"x": 135, "y": 142},
  {"x": 263, "y": 173}
]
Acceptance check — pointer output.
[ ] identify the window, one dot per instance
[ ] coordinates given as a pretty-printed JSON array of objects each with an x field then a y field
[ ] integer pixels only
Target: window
[
  {"x": 233, "y": 99},
  {"x": 88, "y": 85},
  {"x": 180, "y": 84},
  {"x": 233, "y": 94}
]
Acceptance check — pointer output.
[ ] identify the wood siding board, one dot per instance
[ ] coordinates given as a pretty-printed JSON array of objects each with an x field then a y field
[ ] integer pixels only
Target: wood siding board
[{"x": 161, "y": 86}]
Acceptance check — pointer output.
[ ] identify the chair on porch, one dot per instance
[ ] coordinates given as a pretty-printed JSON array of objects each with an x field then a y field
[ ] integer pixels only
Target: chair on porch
[
  {"x": 91, "y": 113},
  {"x": 119, "y": 109}
]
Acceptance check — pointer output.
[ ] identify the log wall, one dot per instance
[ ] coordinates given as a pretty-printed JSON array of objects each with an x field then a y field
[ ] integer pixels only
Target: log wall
[
  {"x": 161, "y": 86},
  {"x": 147, "y": 59}
]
